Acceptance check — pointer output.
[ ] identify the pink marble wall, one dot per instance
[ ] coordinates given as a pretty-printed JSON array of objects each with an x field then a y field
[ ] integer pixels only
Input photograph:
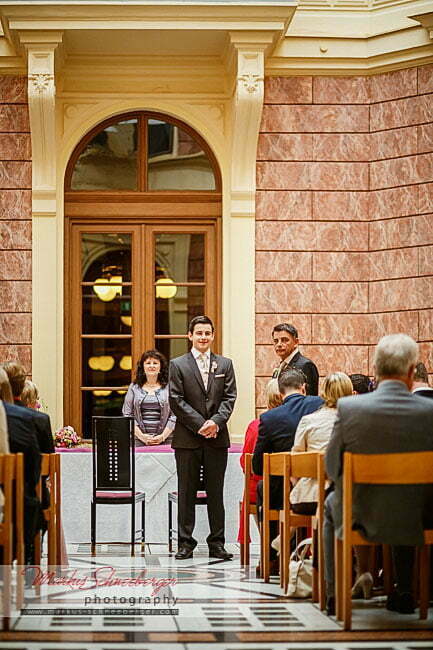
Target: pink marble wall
[
  {"x": 344, "y": 216},
  {"x": 15, "y": 222}
]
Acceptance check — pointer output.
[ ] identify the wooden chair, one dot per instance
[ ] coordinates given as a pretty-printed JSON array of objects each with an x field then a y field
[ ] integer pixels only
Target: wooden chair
[
  {"x": 273, "y": 465},
  {"x": 113, "y": 456},
  {"x": 7, "y": 475},
  {"x": 302, "y": 465},
  {"x": 19, "y": 528},
  {"x": 379, "y": 469},
  {"x": 50, "y": 467},
  {"x": 246, "y": 509}
]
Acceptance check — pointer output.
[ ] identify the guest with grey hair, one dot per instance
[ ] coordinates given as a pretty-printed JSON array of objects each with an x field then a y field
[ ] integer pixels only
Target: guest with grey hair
[{"x": 388, "y": 420}]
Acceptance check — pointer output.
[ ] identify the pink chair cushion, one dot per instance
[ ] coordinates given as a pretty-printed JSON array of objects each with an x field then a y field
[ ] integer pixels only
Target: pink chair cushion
[{"x": 114, "y": 495}]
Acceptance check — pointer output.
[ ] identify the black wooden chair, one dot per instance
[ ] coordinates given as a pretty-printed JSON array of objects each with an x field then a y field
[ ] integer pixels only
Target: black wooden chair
[
  {"x": 200, "y": 500},
  {"x": 113, "y": 456}
]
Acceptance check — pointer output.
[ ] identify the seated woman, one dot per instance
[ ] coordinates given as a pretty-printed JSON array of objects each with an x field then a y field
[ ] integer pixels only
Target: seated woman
[
  {"x": 273, "y": 399},
  {"x": 147, "y": 400},
  {"x": 313, "y": 434}
]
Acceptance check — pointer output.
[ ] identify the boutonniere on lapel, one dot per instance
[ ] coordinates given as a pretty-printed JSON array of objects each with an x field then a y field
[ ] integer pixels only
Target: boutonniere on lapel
[{"x": 214, "y": 366}]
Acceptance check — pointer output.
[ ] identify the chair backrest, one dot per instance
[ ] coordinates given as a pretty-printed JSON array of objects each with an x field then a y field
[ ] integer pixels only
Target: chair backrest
[
  {"x": 304, "y": 464},
  {"x": 275, "y": 465},
  {"x": 113, "y": 453},
  {"x": 7, "y": 475}
]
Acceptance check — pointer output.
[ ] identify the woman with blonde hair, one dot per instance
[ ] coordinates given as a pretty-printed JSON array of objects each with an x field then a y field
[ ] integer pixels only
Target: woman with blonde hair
[
  {"x": 313, "y": 434},
  {"x": 273, "y": 399}
]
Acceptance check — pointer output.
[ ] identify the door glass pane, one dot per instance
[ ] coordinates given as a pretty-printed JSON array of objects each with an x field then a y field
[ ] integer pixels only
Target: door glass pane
[
  {"x": 109, "y": 161},
  {"x": 107, "y": 309},
  {"x": 106, "y": 362},
  {"x": 176, "y": 161},
  {"x": 100, "y": 402},
  {"x": 179, "y": 257},
  {"x": 173, "y": 313},
  {"x": 106, "y": 257},
  {"x": 172, "y": 348}
]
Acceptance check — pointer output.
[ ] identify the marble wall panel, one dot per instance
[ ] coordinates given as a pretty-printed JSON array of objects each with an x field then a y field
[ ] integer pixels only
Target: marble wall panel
[
  {"x": 424, "y": 168},
  {"x": 315, "y": 119},
  {"x": 426, "y": 325},
  {"x": 341, "y": 206},
  {"x": 393, "y": 85},
  {"x": 361, "y": 328},
  {"x": 272, "y": 266},
  {"x": 350, "y": 147},
  {"x": 425, "y": 193},
  {"x": 394, "y": 114},
  {"x": 309, "y": 298},
  {"x": 399, "y": 295},
  {"x": 305, "y": 236},
  {"x": 426, "y": 260},
  {"x": 285, "y": 146},
  {"x": 15, "y": 175},
  {"x": 266, "y": 360},
  {"x": 266, "y": 322},
  {"x": 283, "y": 175},
  {"x": 333, "y": 358},
  {"x": 341, "y": 267},
  {"x": 425, "y": 79},
  {"x": 393, "y": 143},
  {"x": 288, "y": 90},
  {"x": 410, "y": 231},
  {"x": 15, "y": 328},
  {"x": 16, "y": 235},
  {"x": 15, "y": 146},
  {"x": 15, "y": 296},
  {"x": 14, "y": 118},
  {"x": 15, "y": 204},
  {"x": 13, "y": 90},
  {"x": 394, "y": 202},
  {"x": 283, "y": 205},
  {"x": 426, "y": 355},
  {"x": 21, "y": 353},
  {"x": 15, "y": 265},
  {"x": 397, "y": 172},
  {"x": 261, "y": 383},
  {"x": 339, "y": 176},
  {"x": 341, "y": 90},
  {"x": 386, "y": 265},
  {"x": 425, "y": 138},
  {"x": 425, "y": 108}
]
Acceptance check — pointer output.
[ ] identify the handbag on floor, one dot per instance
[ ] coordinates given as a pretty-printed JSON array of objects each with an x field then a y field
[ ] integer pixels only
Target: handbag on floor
[{"x": 301, "y": 571}]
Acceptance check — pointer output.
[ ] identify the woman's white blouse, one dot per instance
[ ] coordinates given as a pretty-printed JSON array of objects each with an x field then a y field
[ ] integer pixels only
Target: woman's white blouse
[{"x": 313, "y": 434}]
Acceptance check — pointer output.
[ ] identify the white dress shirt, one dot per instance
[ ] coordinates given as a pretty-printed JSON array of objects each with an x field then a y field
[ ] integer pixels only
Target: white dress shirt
[{"x": 203, "y": 363}]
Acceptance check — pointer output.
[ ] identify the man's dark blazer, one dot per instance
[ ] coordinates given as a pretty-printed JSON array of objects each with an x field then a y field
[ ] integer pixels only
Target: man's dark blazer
[
  {"x": 43, "y": 429},
  {"x": 388, "y": 420},
  {"x": 277, "y": 427},
  {"x": 23, "y": 439},
  {"x": 308, "y": 368},
  {"x": 192, "y": 404},
  {"x": 424, "y": 392}
]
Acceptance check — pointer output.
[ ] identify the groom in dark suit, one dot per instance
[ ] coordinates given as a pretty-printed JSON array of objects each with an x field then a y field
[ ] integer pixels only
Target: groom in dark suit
[{"x": 202, "y": 396}]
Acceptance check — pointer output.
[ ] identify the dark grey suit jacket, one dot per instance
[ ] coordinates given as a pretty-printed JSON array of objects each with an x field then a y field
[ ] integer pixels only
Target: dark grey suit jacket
[
  {"x": 389, "y": 420},
  {"x": 192, "y": 404}
]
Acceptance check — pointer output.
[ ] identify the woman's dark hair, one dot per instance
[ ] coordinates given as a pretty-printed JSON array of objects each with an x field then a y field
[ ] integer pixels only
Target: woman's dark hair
[{"x": 140, "y": 375}]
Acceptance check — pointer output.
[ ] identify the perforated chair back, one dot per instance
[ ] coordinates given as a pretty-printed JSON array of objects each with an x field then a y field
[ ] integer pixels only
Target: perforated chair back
[{"x": 113, "y": 453}]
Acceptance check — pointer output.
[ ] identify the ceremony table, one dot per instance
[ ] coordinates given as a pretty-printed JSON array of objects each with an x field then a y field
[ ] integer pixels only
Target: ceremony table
[{"x": 155, "y": 474}]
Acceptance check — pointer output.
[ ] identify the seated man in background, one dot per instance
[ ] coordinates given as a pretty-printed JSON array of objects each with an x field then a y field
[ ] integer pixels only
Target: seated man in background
[
  {"x": 277, "y": 429},
  {"x": 361, "y": 383},
  {"x": 286, "y": 342},
  {"x": 388, "y": 420},
  {"x": 421, "y": 386}
]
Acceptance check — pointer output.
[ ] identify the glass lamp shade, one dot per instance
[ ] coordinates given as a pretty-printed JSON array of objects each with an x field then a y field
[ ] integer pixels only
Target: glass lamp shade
[{"x": 165, "y": 288}]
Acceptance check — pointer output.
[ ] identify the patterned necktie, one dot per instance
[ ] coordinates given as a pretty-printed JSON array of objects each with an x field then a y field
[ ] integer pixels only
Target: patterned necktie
[{"x": 203, "y": 369}]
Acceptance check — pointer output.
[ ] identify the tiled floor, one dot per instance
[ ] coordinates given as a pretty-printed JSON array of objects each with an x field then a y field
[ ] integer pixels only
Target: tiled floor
[{"x": 201, "y": 602}]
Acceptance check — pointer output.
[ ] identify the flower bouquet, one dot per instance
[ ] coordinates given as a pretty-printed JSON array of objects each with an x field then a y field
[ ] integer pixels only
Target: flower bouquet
[{"x": 66, "y": 437}]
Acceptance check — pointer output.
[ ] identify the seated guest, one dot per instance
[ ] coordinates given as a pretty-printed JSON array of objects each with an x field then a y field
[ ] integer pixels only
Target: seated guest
[
  {"x": 17, "y": 379},
  {"x": 313, "y": 434},
  {"x": 4, "y": 447},
  {"x": 273, "y": 399},
  {"x": 361, "y": 383},
  {"x": 388, "y": 420},
  {"x": 23, "y": 439},
  {"x": 147, "y": 400},
  {"x": 421, "y": 386},
  {"x": 277, "y": 433},
  {"x": 285, "y": 340}
]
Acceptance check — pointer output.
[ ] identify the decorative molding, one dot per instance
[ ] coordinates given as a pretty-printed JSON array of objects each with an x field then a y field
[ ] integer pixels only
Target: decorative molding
[
  {"x": 426, "y": 20},
  {"x": 42, "y": 81}
]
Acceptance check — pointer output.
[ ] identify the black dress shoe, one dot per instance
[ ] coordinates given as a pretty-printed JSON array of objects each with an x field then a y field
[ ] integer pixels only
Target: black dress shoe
[
  {"x": 330, "y": 606},
  {"x": 403, "y": 603},
  {"x": 220, "y": 553},
  {"x": 184, "y": 553}
]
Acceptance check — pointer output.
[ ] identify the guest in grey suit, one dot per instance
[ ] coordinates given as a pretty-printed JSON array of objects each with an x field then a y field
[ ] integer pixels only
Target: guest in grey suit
[
  {"x": 202, "y": 396},
  {"x": 389, "y": 420}
]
